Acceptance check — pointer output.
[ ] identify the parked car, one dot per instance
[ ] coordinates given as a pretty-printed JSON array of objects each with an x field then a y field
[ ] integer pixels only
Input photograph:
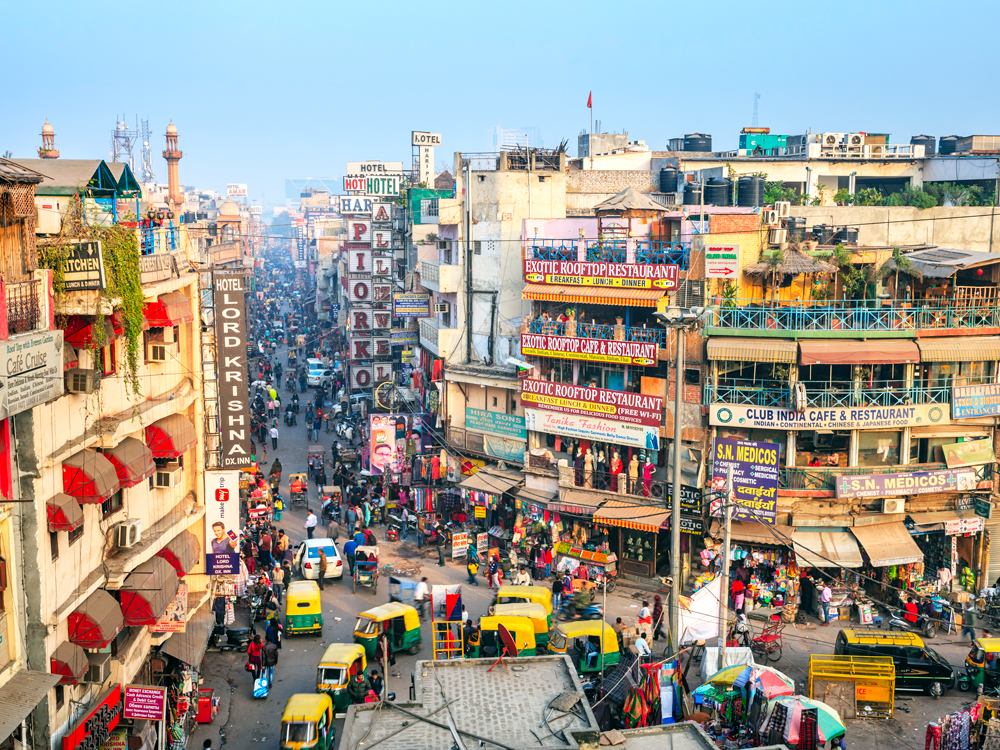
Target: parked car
[
  {"x": 306, "y": 560},
  {"x": 918, "y": 666}
]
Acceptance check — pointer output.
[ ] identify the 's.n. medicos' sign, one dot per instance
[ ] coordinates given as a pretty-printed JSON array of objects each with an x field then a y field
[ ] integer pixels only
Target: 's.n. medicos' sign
[
  {"x": 867, "y": 418},
  {"x": 909, "y": 483},
  {"x": 755, "y": 477},
  {"x": 591, "y": 350}
]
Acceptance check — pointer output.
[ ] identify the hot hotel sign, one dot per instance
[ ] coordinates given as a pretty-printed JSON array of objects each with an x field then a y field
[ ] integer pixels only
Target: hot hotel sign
[{"x": 609, "y": 275}]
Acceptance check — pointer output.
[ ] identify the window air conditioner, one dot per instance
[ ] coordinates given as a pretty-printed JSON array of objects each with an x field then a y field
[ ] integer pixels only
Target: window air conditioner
[
  {"x": 443, "y": 244},
  {"x": 169, "y": 475},
  {"x": 770, "y": 217},
  {"x": 160, "y": 352},
  {"x": 777, "y": 236},
  {"x": 99, "y": 670},
  {"x": 892, "y": 505},
  {"x": 127, "y": 533},
  {"x": 442, "y": 307},
  {"x": 783, "y": 208},
  {"x": 82, "y": 381}
]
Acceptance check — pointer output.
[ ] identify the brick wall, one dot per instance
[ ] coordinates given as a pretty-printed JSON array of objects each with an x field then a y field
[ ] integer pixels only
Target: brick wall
[
  {"x": 734, "y": 223},
  {"x": 612, "y": 181}
]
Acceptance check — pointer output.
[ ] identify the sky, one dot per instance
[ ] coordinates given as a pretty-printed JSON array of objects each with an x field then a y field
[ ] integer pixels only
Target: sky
[{"x": 262, "y": 91}]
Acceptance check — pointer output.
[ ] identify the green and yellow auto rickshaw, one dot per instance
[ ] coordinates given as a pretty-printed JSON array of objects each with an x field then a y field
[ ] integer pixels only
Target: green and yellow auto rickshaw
[
  {"x": 340, "y": 662},
  {"x": 307, "y": 723},
  {"x": 591, "y": 644},
  {"x": 486, "y": 642},
  {"x": 400, "y": 622},
  {"x": 534, "y": 612},
  {"x": 303, "y": 612}
]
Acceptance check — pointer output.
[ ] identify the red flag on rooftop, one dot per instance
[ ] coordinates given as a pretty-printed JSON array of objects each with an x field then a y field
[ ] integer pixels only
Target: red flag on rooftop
[{"x": 590, "y": 100}]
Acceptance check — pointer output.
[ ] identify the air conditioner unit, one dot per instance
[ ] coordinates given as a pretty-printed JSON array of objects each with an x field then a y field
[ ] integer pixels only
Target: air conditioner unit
[
  {"x": 127, "y": 533},
  {"x": 82, "y": 381},
  {"x": 831, "y": 140},
  {"x": 443, "y": 244},
  {"x": 854, "y": 141},
  {"x": 169, "y": 475},
  {"x": 892, "y": 505},
  {"x": 99, "y": 670},
  {"x": 442, "y": 307},
  {"x": 160, "y": 352},
  {"x": 784, "y": 209},
  {"x": 769, "y": 217},
  {"x": 777, "y": 236},
  {"x": 799, "y": 393}
]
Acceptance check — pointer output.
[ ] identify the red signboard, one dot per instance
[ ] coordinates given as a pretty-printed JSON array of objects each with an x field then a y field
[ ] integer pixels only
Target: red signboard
[
  {"x": 618, "y": 406},
  {"x": 590, "y": 350},
  {"x": 144, "y": 702},
  {"x": 94, "y": 729},
  {"x": 615, "y": 275}
]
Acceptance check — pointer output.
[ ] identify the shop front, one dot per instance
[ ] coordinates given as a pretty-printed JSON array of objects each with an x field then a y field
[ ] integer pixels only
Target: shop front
[
  {"x": 760, "y": 559},
  {"x": 638, "y": 535},
  {"x": 950, "y": 540}
]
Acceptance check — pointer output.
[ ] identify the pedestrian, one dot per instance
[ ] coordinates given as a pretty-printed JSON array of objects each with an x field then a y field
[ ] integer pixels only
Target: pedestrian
[
  {"x": 642, "y": 647},
  {"x": 269, "y": 659},
  {"x": 522, "y": 578},
  {"x": 264, "y": 552},
  {"x": 283, "y": 543},
  {"x": 310, "y": 525},
  {"x": 657, "y": 618},
  {"x": 825, "y": 597},
  {"x": 494, "y": 570},
  {"x": 349, "y": 547},
  {"x": 439, "y": 540},
  {"x": 254, "y": 662},
  {"x": 405, "y": 516},
  {"x": 206, "y": 745},
  {"x": 377, "y": 683},
  {"x": 645, "y": 616},
  {"x": 352, "y": 519},
  {"x": 618, "y": 627},
  {"x": 421, "y": 530},
  {"x": 420, "y": 594},
  {"x": 333, "y": 529},
  {"x": 557, "y": 589},
  {"x": 278, "y": 507},
  {"x": 323, "y": 562},
  {"x": 969, "y": 621},
  {"x": 358, "y": 688},
  {"x": 473, "y": 567},
  {"x": 548, "y": 561},
  {"x": 274, "y": 440},
  {"x": 278, "y": 581}
]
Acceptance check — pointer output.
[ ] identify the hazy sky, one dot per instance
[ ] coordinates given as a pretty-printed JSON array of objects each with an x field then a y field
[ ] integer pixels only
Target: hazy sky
[{"x": 261, "y": 91}]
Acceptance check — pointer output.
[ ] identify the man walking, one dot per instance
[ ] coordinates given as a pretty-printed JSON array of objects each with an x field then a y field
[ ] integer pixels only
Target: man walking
[
  {"x": 657, "y": 618},
  {"x": 269, "y": 656},
  {"x": 421, "y": 530},
  {"x": 439, "y": 539},
  {"x": 349, "y": 547},
  {"x": 825, "y": 597},
  {"x": 274, "y": 437},
  {"x": 310, "y": 525},
  {"x": 333, "y": 529},
  {"x": 420, "y": 595},
  {"x": 278, "y": 581},
  {"x": 405, "y": 523},
  {"x": 322, "y": 568},
  {"x": 969, "y": 621}
]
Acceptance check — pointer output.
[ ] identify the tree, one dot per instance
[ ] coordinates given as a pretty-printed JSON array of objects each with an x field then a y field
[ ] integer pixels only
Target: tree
[
  {"x": 901, "y": 262},
  {"x": 775, "y": 262}
]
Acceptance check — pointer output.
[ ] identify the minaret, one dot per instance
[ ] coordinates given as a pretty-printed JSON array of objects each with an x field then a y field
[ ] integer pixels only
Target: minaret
[
  {"x": 175, "y": 199},
  {"x": 48, "y": 147}
]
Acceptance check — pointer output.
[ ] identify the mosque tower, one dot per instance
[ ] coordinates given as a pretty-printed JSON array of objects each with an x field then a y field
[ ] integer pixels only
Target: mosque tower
[
  {"x": 175, "y": 199},
  {"x": 48, "y": 147}
]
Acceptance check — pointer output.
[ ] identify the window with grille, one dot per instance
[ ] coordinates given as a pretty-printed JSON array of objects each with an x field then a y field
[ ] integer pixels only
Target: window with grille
[{"x": 477, "y": 247}]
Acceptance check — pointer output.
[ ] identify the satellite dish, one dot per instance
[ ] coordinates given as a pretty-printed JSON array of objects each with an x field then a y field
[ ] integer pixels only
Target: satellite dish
[{"x": 508, "y": 639}]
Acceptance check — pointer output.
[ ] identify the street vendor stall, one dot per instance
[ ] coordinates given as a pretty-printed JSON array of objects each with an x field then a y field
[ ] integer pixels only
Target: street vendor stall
[{"x": 599, "y": 565}]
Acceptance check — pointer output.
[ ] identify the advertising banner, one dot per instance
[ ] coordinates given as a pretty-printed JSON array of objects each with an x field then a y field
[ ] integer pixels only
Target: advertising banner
[
  {"x": 690, "y": 498},
  {"x": 222, "y": 522},
  {"x": 84, "y": 267},
  {"x": 459, "y": 544},
  {"x": 969, "y": 401},
  {"x": 389, "y": 436},
  {"x": 614, "y": 275},
  {"x": 722, "y": 261},
  {"x": 755, "y": 477},
  {"x": 509, "y": 425},
  {"x": 405, "y": 337},
  {"x": 619, "y": 406},
  {"x": 969, "y": 453},
  {"x": 174, "y": 620},
  {"x": 144, "y": 702},
  {"x": 507, "y": 449},
  {"x": 592, "y": 428},
  {"x": 32, "y": 371},
  {"x": 231, "y": 352},
  {"x": 908, "y": 483},
  {"x": 590, "y": 350},
  {"x": 867, "y": 418},
  {"x": 409, "y": 305}
]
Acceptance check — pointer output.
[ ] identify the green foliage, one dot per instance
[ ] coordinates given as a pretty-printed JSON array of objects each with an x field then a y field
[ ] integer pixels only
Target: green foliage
[
  {"x": 776, "y": 191},
  {"x": 817, "y": 199},
  {"x": 775, "y": 260},
  {"x": 54, "y": 257},
  {"x": 868, "y": 197},
  {"x": 121, "y": 263},
  {"x": 842, "y": 197},
  {"x": 852, "y": 278},
  {"x": 953, "y": 194},
  {"x": 910, "y": 196},
  {"x": 729, "y": 295}
]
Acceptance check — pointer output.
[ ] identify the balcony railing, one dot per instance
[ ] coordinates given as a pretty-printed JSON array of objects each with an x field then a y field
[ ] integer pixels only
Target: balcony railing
[
  {"x": 24, "y": 310},
  {"x": 854, "y": 315},
  {"x": 659, "y": 252},
  {"x": 596, "y": 331},
  {"x": 822, "y": 478},
  {"x": 654, "y": 252},
  {"x": 607, "y": 251},
  {"x": 430, "y": 271},
  {"x": 486, "y": 161},
  {"x": 554, "y": 250},
  {"x": 823, "y": 394},
  {"x": 154, "y": 240}
]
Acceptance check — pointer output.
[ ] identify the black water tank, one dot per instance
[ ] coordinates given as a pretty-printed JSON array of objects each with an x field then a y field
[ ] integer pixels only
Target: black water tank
[
  {"x": 668, "y": 180},
  {"x": 947, "y": 143},
  {"x": 850, "y": 235},
  {"x": 692, "y": 193},
  {"x": 719, "y": 192},
  {"x": 697, "y": 142},
  {"x": 796, "y": 226},
  {"x": 823, "y": 233},
  {"x": 927, "y": 141},
  {"x": 750, "y": 191}
]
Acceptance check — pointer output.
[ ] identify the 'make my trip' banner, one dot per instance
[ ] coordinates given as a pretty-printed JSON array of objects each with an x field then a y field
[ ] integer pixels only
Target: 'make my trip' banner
[{"x": 590, "y": 350}]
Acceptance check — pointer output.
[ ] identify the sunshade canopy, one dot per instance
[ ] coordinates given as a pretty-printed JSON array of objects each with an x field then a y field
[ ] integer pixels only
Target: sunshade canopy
[
  {"x": 630, "y": 516},
  {"x": 70, "y": 661},
  {"x": 132, "y": 460},
  {"x": 70, "y": 357},
  {"x": 535, "y": 497},
  {"x": 592, "y": 296},
  {"x": 874, "y": 352},
  {"x": 752, "y": 350},
  {"x": 494, "y": 482},
  {"x": 21, "y": 694},
  {"x": 96, "y": 622},
  {"x": 64, "y": 512},
  {"x": 171, "y": 436},
  {"x": 147, "y": 591},
  {"x": 189, "y": 646},
  {"x": 89, "y": 477},
  {"x": 577, "y": 502},
  {"x": 760, "y": 533},
  {"x": 888, "y": 544},
  {"x": 182, "y": 552},
  {"x": 170, "y": 309},
  {"x": 961, "y": 349},
  {"x": 81, "y": 332},
  {"x": 826, "y": 549}
]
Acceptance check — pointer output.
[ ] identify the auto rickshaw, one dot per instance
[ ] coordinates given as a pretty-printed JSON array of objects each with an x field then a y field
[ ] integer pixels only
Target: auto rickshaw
[
  {"x": 489, "y": 644},
  {"x": 315, "y": 457},
  {"x": 303, "y": 613},
  {"x": 340, "y": 662},
  {"x": 307, "y": 723},
  {"x": 401, "y": 589},
  {"x": 526, "y": 595},
  {"x": 399, "y": 621},
  {"x": 534, "y": 612},
  {"x": 298, "y": 488},
  {"x": 366, "y": 568},
  {"x": 982, "y": 666},
  {"x": 582, "y": 640}
]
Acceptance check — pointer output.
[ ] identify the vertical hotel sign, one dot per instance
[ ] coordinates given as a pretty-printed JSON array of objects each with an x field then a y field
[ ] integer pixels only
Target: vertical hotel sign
[
  {"x": 222, "y": 522},
  {"x": 231, "y": 354}
]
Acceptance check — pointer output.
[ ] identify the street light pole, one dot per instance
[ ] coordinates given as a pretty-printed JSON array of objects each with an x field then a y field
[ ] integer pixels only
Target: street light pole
[{"x": 675, "y": 496}]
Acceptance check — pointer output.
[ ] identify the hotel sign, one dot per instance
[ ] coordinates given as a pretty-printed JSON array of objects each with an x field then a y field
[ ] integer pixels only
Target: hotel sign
[
  {"x": 620, "y": 406},
  {"x": 609, "y": 275},
  {"x": 910, "y": 483},
  {"x": 868, "y": 418},
  {"x": 231, "y": 343},
  {"x": 589, "y": 350}
]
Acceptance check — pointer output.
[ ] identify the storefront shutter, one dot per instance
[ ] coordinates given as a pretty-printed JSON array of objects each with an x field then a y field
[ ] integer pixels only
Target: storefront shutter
[{"x": 993, "y": 556}]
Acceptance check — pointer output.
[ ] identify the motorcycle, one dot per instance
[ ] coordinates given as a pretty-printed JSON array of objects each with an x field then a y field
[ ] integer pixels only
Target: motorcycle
[
  {"x": 345, "y": 430},
  {"x": 295, "y": 403},
  {"x": 229, "y": 639},
  {"x": 568, "y": 611},
  {"x": 289, "y": 416},
  {"x": 924, "y": 625}
]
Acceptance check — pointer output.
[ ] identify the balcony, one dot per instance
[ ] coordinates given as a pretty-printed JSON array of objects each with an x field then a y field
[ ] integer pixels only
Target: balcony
[
  {"x": 641, "y": 252},
  {"x": 852, "y": 318},
  {"x": 155, "y": 240},
  {"x": 444, "y": 278},
  {"x": 25, "y": 308},
  {"x": 596, "y": 331},
  {"x": 437, "y": 339},
  {"x": 821, "y": 478},
  {"x": 823, "y": 394}
]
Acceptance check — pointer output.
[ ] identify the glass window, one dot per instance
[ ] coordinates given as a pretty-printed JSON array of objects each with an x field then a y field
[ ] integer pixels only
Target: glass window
[
  {"x": 638, "y": 545},
  {"x": 114, "y": 503},
  {"x": 366, "y": 626},
  {"x": 75, "y": 534},
  {"x": 332, "y": 675},
  {"x": 299, "y": 731},
  {"x": 54, "y": 544},
  {"x": 944, "y": 374},
  {"x": 879, "y": 448}
]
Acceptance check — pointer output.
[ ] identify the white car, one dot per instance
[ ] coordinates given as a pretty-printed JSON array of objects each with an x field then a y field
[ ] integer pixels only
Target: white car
[
  {"x": 319, "y": 377},
  {"x": 306, "y": 560}
]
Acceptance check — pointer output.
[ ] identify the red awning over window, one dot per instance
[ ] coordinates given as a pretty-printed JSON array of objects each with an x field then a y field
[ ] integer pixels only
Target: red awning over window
[
  {"x": 96, "y": 622},
  {"x": 70, "y": 359},
  {"x": 65, "y": 513},
  {"x": 132, "y": 460},
  {"x": 89, "y": 477},
  {"x": 81, "y": 332},
  {"x": 171, "y": 309},
  {"x": 70, "y": 661},
  {"x": 182, "y": 552},
  {"x": 147, "y": 591},
  {"x": 171, "y": 436}
]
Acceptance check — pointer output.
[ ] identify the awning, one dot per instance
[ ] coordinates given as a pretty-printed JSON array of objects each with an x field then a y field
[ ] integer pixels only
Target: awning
[
  {"x": 81, "y": 332},
  {"x": 924, "y": 523},
  {"x": 20, "y": 695},
  {"x": 171, "y": 436},
  {"x": 189, "y": 646},
  {"x": 755, "y": 533},
  {"x": 752, "y": 350},
  {"x": 97, "y": 621},
  {"x": 826, "y": 549},
  {"x": 70, "y": 662},
  {"x": 89, "y": 477},
  {"x": 579, "y": 502},
  {"x": 65, "y": 513},
  {"x": 169, "y": 310},
  {"x": 888, "y": 544},
  {"x": 873, "y": 352},
  {"x": 132, "y": 460},
  {"x": 960, "y": 349},
  {"x": 630, "y": 516},
  {"x": 592, "y": 296},
  {"x": 147, "y": 591},
  {"x": 536, "y": 497},
  {"x": 182, "y": 552},
  {"x": 492, "y": 482},
  {"x": 70, "y": 358}
]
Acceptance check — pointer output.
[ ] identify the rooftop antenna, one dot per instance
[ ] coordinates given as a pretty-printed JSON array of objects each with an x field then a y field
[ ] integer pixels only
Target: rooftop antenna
[
  {"x": 756, "y": 98},
  {"x": 146, "y": 172},
  {"x": 122, "y": 141}
]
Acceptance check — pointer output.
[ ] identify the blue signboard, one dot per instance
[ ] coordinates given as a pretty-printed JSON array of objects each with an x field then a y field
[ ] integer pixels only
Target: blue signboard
[
  {"x": 755, "y": 477},
  {"x": 508, "y": 425},
  {"x": 969, "y": 401}
]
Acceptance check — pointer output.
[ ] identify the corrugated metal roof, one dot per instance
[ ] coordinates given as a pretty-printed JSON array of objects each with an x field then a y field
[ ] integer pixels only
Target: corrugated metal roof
[
  {"x": 629, "y": 199},
  {"x": 20, "y": 695},
  {"x": 13, "y": 172},
  {"x": 943, "y": 263}
]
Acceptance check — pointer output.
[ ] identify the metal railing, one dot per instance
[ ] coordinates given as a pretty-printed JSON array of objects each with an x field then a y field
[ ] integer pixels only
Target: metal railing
[
  {"x": 465, "y": 440},
  {"x": 430, "y": 270},
  {"x": 24, "y": 310},
  {"x": 661, "y": 252},
  {"x": 600, "y": 331},
  {"x": 154, "y": 240},
  {"x": 553, "y": 250},
  {"x": 484, "y": 161},
  {"x": 824, "y": 478},
  {"x": 823, "y": 394},
  {"x": 429, "y": 330},
  {"x": 607, "y": 251}
]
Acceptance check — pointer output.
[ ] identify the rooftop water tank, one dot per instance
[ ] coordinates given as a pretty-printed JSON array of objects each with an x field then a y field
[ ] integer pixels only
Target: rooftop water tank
[
  {"x": 719, "y": 192},
  {"x": 750, "y": 191},
  {"x": 697, "y": 142},
  {"x": 927, "y": 141}
]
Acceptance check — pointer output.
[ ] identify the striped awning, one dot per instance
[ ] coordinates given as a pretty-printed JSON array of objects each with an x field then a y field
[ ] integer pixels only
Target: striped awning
[
  {"x": 961, "y": 349},
  {"x": 591, "y": 295},
  {"x": 630, "y": 516},
  {"x": 752, "y": 350},
  {"x": 577, "y": 502}
]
